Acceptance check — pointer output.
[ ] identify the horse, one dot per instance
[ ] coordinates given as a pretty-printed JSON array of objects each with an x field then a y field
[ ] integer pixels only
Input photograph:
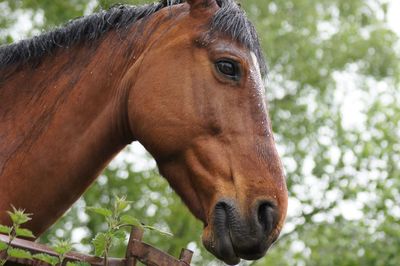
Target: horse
[{"x": 184, "y": 78}]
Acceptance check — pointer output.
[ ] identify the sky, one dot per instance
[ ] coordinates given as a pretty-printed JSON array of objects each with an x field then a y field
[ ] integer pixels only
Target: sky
[{"x": 394, "y": 15}]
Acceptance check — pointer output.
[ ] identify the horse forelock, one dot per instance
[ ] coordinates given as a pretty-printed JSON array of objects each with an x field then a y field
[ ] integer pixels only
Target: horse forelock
[{"x": 229, "y": 20}]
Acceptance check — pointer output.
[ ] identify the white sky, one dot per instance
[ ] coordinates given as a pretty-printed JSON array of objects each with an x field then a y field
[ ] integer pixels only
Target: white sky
[{"x": 394, "y": 15}]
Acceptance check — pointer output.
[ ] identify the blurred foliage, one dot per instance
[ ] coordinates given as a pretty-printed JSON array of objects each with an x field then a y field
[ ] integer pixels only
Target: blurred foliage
[{"x": 333, "y": 92}]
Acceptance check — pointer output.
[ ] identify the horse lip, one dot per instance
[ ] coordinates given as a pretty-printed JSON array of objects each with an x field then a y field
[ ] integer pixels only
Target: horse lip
[
  {"x": 233, "y": 246},
  {"x": 224, "y": 251},
  {"x": 220, "y": 243},
  {"x": 235, "y": 259}
]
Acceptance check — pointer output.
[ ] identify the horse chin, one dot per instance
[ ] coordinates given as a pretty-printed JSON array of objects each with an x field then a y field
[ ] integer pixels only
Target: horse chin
[{"x": 221, "y": 246}]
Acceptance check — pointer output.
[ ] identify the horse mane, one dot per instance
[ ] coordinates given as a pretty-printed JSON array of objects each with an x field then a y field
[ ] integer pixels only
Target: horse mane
[{"x": 229, "y": 20}]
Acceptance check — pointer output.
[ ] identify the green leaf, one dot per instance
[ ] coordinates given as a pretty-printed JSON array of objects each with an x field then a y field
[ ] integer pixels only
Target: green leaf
[
  {"x": 3, "y": 246},
  {"x": 130, "y": 220},
  {"x": 77, "y": 263},
  {"x": 121, "y": 204},
  {"x": 19, "y": 253},
  {"x": 152, "y": 228},
  {"x": 52, "y": 260},
  {"x": 18, "y": 216},
  {"x": 120, "y": 235},
  {"x": 100, "y": 244},
  {"x": 24, "y": 232},
  {"x": 62, "y": 246},
  {"x": 5, "y": 229},
  {"x": 102, "y": 211}
]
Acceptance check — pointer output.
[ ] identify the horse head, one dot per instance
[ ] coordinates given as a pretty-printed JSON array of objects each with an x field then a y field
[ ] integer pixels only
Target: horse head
[{"x": 199, "y": 108}]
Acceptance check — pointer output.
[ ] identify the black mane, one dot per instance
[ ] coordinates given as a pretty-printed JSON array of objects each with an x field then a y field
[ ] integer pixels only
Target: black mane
[{"x": 229, "y": 20}]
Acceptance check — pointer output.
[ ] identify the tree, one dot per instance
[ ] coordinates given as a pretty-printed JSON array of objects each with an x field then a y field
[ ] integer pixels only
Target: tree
[
  {"x": 333, "y": 60},
  {"x": 333, "y": 99}
]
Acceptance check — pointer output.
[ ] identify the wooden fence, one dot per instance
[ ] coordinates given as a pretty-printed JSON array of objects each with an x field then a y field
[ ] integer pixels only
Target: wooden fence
[{"x": 136, "y": 251}]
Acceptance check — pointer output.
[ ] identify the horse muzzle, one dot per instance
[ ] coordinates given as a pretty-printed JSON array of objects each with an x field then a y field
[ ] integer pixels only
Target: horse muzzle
[{"x": 233, "y": 236}]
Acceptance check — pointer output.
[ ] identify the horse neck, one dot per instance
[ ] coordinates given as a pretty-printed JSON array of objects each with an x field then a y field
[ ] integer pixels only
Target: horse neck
[{"x": 61, "y": 123}]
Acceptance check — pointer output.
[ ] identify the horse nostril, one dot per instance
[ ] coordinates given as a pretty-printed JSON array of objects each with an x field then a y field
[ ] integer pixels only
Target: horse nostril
[{"x": 267, "y": 215}]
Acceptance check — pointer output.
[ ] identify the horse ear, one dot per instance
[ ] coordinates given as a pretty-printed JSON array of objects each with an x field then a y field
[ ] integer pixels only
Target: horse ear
[{"x": 196, "y": 4}]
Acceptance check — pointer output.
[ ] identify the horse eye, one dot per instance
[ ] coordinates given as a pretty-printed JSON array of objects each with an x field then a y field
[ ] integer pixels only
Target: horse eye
[{"x": 228, "y": 68}]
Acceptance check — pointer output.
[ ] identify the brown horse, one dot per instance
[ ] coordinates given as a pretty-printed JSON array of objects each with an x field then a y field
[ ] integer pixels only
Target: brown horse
[{"x": 184, "y": 79}]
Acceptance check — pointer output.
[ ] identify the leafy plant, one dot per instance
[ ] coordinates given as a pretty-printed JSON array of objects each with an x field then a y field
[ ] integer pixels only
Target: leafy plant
[
  {"x": 52, "y": 260},
  {"x": 18, "y": 218},
  {"x": 117, "y": 220},
  {"x": 77, "y": 263},
  {"x": 61, "y": 247}
]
